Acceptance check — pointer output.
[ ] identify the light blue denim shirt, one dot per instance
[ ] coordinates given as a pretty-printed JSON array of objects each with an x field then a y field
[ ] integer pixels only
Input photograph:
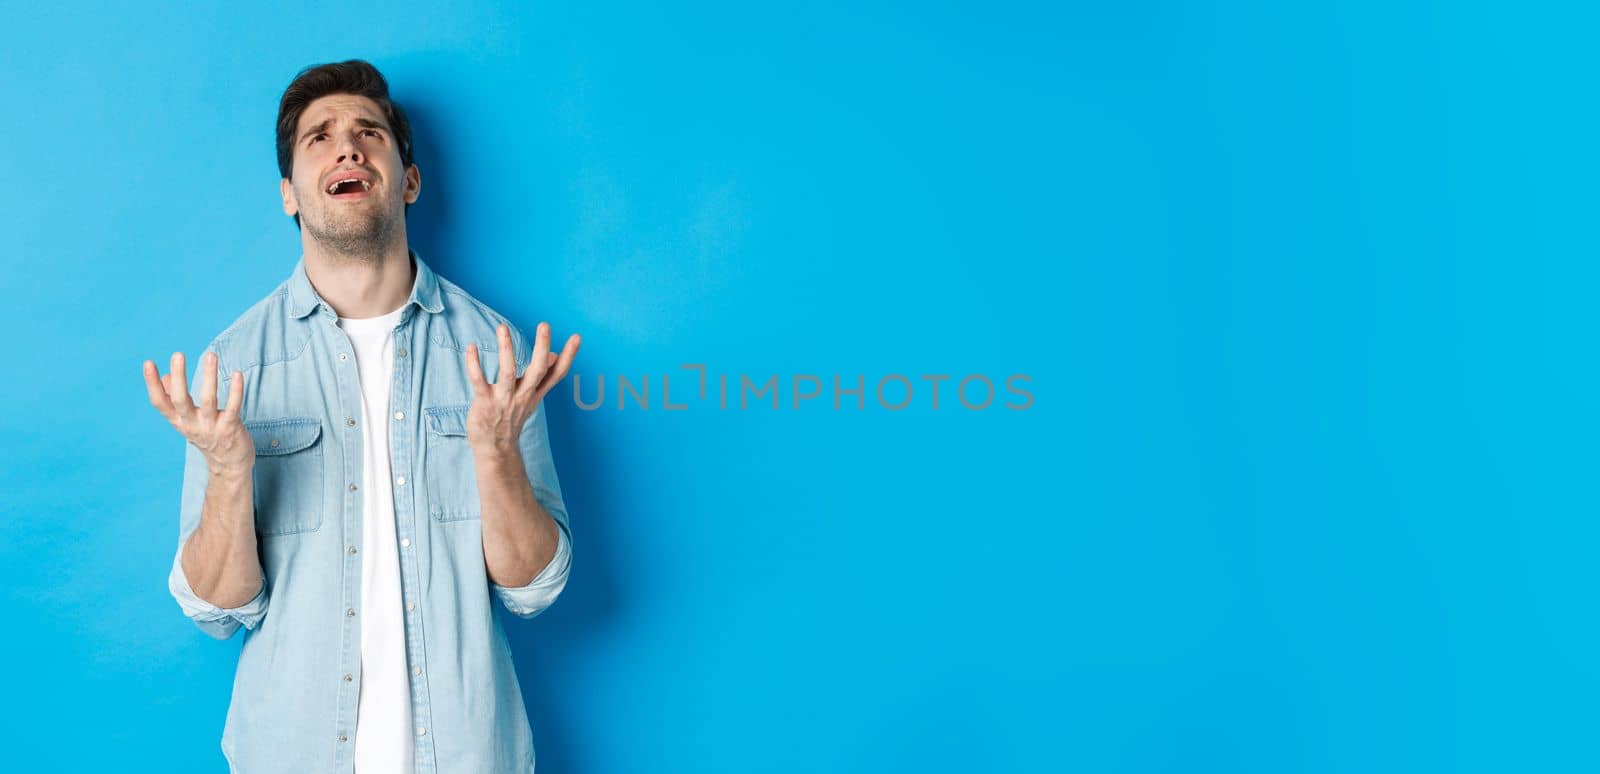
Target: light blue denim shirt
[{"x": 295, "y": 689}]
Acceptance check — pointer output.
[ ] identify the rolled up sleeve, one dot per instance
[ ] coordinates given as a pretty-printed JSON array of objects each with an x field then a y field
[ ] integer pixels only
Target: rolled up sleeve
[
  {"x": 219, "y": 622},
  {"x": 532, "y": 599}
]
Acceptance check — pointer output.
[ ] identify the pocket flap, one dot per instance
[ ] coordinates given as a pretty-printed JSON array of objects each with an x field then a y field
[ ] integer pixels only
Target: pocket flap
[
  {"x": 282, "y": 436},
  {"x": 447, "y": 420}
]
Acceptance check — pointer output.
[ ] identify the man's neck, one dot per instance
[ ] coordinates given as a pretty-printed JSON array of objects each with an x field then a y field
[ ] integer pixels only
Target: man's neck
[{"x": 361, "y": 286}]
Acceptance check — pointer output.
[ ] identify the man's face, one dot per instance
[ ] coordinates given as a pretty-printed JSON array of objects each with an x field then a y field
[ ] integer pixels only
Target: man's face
[{"x": 346, "y": 183}]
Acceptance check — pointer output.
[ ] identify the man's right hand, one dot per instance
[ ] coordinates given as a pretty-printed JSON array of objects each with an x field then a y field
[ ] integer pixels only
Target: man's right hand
[{"x": 219, "y": 435}]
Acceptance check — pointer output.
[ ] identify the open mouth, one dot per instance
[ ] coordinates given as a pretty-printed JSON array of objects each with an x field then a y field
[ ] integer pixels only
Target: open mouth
[{"x": 349, "y": 188}]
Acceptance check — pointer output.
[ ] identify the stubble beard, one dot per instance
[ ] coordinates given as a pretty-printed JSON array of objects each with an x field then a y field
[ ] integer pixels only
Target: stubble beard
[{"x": 358, "y": 233}]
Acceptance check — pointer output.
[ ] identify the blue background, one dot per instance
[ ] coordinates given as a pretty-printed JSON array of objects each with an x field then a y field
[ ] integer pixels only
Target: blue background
[{"x": 1306, "y": 296}]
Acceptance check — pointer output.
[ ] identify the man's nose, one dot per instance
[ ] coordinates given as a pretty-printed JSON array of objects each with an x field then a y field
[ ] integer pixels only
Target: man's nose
[{"x": 349, "y": 151}]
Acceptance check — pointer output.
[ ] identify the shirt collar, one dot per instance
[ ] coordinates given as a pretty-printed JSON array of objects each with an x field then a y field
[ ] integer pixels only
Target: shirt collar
[{"x": 303, "y": 298}]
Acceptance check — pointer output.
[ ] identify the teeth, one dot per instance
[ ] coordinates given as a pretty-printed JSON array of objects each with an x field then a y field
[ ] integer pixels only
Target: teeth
[{"x": 365, "y": 185}]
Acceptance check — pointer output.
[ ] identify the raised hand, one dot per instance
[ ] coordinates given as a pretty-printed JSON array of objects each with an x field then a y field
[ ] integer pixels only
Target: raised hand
[
  {"x": 220, "y": 435},
  {"x": 498, "y": 410}
]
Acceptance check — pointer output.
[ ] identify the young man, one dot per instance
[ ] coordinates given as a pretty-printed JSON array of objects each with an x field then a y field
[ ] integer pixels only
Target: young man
[{"x": 369, "y": 486}]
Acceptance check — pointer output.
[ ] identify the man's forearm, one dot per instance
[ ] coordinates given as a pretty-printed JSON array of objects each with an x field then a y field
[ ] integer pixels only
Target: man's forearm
[
  {"x": 519, "y": 536},
  {"x": 219, "y": 558}
]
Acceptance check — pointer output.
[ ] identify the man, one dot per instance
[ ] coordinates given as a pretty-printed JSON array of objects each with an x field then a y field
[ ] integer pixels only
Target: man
[{"x": 368, "y": 487}]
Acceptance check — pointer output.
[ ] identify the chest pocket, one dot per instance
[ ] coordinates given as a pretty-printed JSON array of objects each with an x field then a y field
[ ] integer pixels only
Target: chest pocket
[
  {"x": 288, "y": 474},
  {"x": 452, "y": 476}
]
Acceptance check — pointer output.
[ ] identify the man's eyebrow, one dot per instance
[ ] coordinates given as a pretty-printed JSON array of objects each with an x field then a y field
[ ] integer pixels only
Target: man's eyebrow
[
  {"x": 322, "y": 127},
  {"x": 315, "y": 129}
]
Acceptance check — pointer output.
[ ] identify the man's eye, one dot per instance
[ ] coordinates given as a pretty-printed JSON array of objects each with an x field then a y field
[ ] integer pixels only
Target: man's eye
[
  {"x": 373, "y": 132},
  {"x": 316, "y": 137}
]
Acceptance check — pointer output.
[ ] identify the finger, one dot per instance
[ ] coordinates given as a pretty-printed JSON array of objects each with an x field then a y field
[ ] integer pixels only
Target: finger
[
  {"x": 506, "y": 379},
  {"x": 235, "y": 396},
  {"x": 179, "y": 387},
  {"x": 208, "y": 383},
  {"x": 538, "y": 364},
  {"x": 158, "y": 389},
  {"x": 475, "y": 372},
  {"x": 563, "y": 364}
]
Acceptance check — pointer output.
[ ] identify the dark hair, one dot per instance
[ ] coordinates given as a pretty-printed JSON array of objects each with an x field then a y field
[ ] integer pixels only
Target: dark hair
[{"x": 352, "y": 76}]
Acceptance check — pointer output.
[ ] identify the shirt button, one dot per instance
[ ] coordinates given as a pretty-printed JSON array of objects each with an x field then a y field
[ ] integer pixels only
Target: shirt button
[
  {"x": 421, "y": 730},
  {"x": 274, "y": 443},
  {"x": 401, "y": 480},
  {"x": 399, "y": 415},
  {"x": 416, "y": 670},
  {"x": 405, "y": 542},
  {"x": 343, "y": 356},
  {"x": 349, "y": 677},
  {"x": 352, "y": 487},
  {"x": 401, "y": 352},
  {"x": 352, "y": 549},
  {"x": 350, "y": 612},
  {"x": 411, "y": 606},
  {"x": 342, "y": 737},
  {"x": 351, "y": 421}
]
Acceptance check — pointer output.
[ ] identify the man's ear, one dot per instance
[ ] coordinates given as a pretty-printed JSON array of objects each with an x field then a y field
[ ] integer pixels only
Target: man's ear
[
  {"x": 291, "y": 205},
  {"x": 413, "y": 184}
]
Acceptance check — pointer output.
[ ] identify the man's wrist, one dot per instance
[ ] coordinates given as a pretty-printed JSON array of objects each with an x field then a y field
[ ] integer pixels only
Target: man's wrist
[
  {"x": 232, "y": 473},
  {"x": 490, "y": 458}
]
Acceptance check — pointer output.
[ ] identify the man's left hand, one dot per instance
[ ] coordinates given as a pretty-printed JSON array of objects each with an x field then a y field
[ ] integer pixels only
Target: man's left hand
[{"x": 498, "y": 410}]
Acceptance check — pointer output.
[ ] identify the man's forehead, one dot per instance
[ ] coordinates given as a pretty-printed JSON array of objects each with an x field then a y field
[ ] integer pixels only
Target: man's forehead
[{"x": 336, "y": 106}]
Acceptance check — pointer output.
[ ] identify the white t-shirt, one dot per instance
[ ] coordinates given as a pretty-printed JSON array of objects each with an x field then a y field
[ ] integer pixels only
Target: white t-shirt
[{"x": 383, "y": 714}]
